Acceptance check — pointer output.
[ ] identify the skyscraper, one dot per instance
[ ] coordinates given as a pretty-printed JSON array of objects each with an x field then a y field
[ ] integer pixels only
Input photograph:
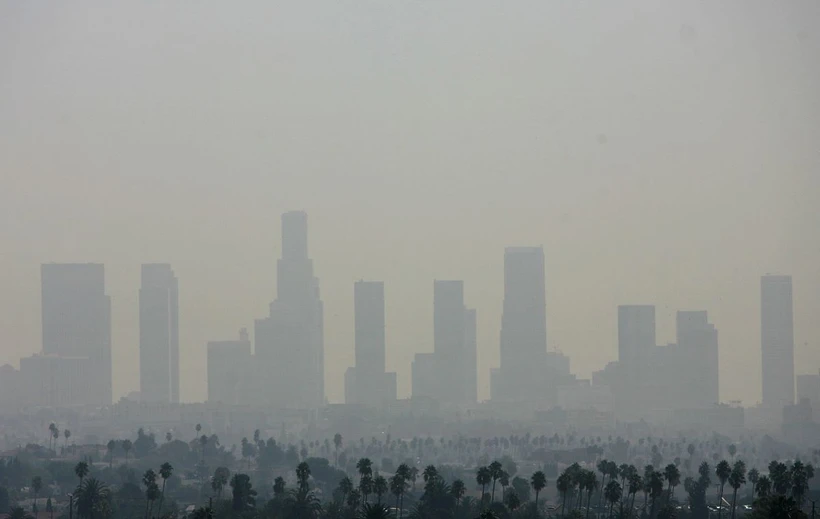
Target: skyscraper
[
  {"x": 636, "y": 332},
  {"x": 520, "y": 376},
  {"x": 229, "y": 367},
  {"x": 289, "y": 343},
  {"x": 777, "y": 340},
  {"x": 698, "y": 349},
  {"x": 449, "y": 374},
  {"x": 454, "y": 341},
  {"x": 367, "y": 382},
  {"x": 159, "y": 334},
  {"x": 76, "y": 321}
]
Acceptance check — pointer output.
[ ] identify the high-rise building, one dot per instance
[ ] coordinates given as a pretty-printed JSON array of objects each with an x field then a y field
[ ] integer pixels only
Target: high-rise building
[
  {"x": 366, "y": 382},
  {"x": 636, "y": 332},
  {"x": 449, "y": 374},
  {"x": 698, "y": 345},
  {"x": 229, "y": 369},
  {"x": 159, "y": 334},
  {"x": 777, "y": 340},
  {"x": 523, "y": 344},
  {"x": 76, "y": 321},
  {"x": 289, "y": 343}
]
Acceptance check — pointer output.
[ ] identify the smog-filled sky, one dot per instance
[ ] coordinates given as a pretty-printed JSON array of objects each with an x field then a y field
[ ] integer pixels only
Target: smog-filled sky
[{"x": 661, "y": 152}]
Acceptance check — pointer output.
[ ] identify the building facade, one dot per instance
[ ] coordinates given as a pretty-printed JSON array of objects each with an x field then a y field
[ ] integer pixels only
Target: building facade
[
  {"x": 159, "y": 334},
  {"x": 777, "y": 340},
  {"x": 367, "y": 383},
  {"x": 229, "y": 370},
  {"x": 76, "y": 321},
  {"x": 289, "y": 343}
]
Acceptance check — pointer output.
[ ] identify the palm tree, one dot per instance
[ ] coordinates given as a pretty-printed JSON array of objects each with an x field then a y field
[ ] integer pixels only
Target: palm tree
[
  {"x": 36, "y": 486},
  {"x": 126, "y": 446},
  {"x": 590, "y": 483},
  {"x": 457, "y": 489},
  {"x": 672, "y": 476},
  {"x": 303, "y": 475},
  {"x": 430, "y": 473},
  {"x": 397, "y": 487},
  {"x": 613, "y": 493},
  {"x": 380, "y": 488},
  {"x": 168, "y": 437},
  {"x": 655, "y": 490},
  {"x": 763, "y": 487},
  {"x": 112, "y": 444},
  {"x": 81, "y": 470},
  {"x": 149, "y": 479},
  {"x": 366, "y": 486},
  {"x": 198, "y": 430},
  {"x": 219, "y": 480},
  {"x": 736, "y": 479},
  {"x": 365, "y": 467},
  {"x": 483, "y": 478},
  {"x": 603, "y": 468},
  {"x": 51, "y": 428},
  {"x": 495, "y": 473},
  {"x": 723, "y": 471},
  {"x": 538, "y": 481},
  {"x": 203, "y": 442},
  {"x": 165, "y": 472},
  {"x": 754, "y": 476},
  {"x": 89, "y": 496},
  {"x": 563, "y": 484},
  {"x": 66, "y": 435},
  {"x": 377, "y": 511},
  {"x": 635, "y": 484},
  {"x": 337, "y": 443}
]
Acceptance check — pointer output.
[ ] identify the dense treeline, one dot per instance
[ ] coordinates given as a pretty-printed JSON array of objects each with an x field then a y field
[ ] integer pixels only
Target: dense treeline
[{"x": 266, "y": 479}]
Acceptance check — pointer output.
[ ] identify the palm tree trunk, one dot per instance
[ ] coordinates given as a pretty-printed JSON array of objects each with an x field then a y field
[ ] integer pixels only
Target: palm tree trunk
[
  {"x": 563, "y": 504},
  {"x": 652, "y": 510},
  {"x": 492, "y": 495},
  {"x": 589, "y": 498},
  {"x": 161, "y": 499},
  {"x": 536, "y": 499},
  {"x": 601, "y": 495},
  {"x": 720, "y": 501},
  {"x": 610, "y": 510},
  {"x": 734, "y": 503}
]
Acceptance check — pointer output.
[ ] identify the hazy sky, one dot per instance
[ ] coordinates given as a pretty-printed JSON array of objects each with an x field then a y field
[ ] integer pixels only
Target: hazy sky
[{"x": 661, "y": 152}]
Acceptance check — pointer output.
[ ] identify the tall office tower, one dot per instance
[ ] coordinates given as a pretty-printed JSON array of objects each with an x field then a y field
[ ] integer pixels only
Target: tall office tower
[
  {"x": 636, "y": 332},
  {"x": 367, "y": 383},
  {"x": 289, "y": 343},
  {"x": 454, "y": 342},
  {"x": 76, "y": 320},
  {"x": 777, "y": 340},
  {"x": 229, "y": 370},
  {"x": 159, "y": 334},
  {"x": 698, "y": 349},
  {"x": 523, "y": 327}
]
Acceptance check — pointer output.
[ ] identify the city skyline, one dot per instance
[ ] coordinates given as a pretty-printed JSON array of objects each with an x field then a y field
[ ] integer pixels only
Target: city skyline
[
  {"x": 63, "y": 285},
  {"x": 422, "y": 140}
]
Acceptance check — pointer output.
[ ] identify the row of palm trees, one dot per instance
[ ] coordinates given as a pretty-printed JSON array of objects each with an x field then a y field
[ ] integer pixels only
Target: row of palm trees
[{"x": 658, "y": 486}]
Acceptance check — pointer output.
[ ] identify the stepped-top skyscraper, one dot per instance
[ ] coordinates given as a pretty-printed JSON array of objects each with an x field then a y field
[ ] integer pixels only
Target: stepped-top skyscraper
[
  {"x": 159, "y": 334},
  {"x": 367, "y": 382},
  {"x": 523, "y": 328},
  {"x": 289, "y": 343},
  {"x": 449, "y": 374},
  {"x": 76, "y": 320},
  {"x": 777, "y": 340}
]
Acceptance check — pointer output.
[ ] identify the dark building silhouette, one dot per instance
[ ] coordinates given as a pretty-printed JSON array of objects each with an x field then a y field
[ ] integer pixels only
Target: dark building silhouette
[
  {"x": 229, "y": 369},
  {"x": 76, "y": 321},
  {"x": 521, "y": 375},
  {"x": 289, "y": 343},
  {"x": 367, "y": 382},
  {"x": 159, "y": 334},
  {"x": 777, "y": 340},
  {"x": 449, "y": 374}
]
